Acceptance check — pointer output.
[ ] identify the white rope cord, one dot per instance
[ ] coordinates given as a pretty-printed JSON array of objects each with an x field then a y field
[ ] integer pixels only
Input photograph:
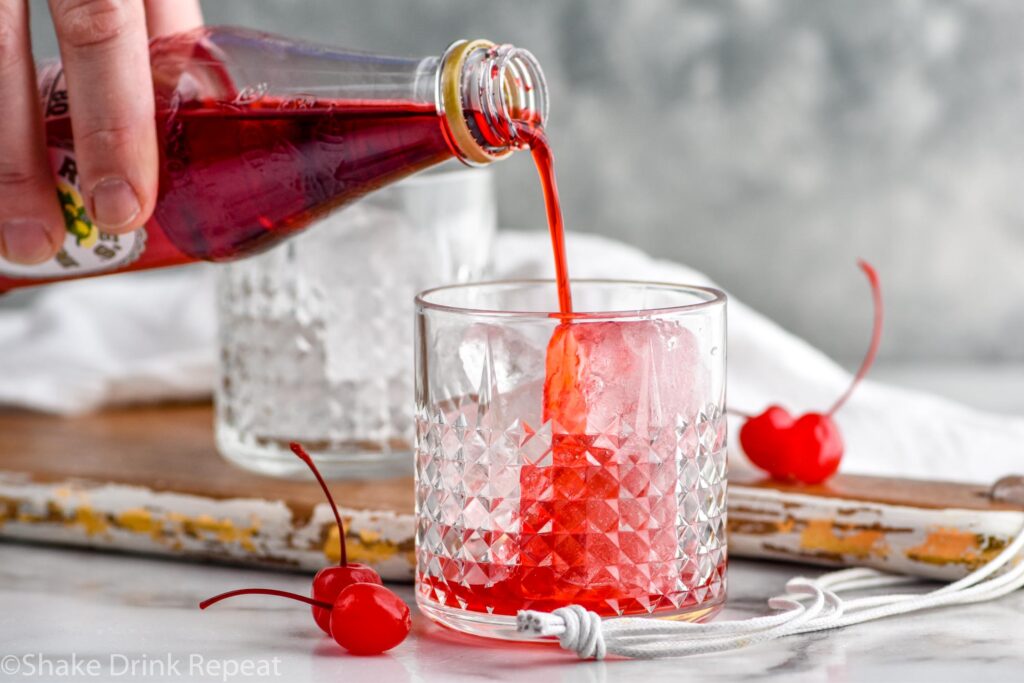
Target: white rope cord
[{"x": 808, "y": 605}]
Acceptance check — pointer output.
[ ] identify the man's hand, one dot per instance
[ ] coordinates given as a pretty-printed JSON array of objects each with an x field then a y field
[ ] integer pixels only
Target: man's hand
[{"x": 104, "y": 49}]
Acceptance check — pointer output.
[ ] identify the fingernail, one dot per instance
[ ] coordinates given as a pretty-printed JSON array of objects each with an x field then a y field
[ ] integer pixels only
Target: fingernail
[
  {"x": 114, "y": 204},
  {"x": 25, "y": 241}
]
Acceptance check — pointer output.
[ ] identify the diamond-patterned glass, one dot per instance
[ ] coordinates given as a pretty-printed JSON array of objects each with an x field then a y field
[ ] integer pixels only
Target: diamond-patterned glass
[
  {"x": 630, "y": 531},
  {"x": 626, "y": 516}
]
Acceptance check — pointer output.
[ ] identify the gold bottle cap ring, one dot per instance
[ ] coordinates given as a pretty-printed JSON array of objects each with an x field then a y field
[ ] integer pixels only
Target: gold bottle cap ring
[{"x": 451, "y": 99}]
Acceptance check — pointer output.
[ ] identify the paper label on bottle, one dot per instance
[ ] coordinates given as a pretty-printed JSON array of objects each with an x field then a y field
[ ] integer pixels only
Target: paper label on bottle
[{"x": 86, "y": 249}]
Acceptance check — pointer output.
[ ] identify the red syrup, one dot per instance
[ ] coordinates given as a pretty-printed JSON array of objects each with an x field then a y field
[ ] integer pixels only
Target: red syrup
[
  {"x": 237, "y": 179},
  {"x": 234, "y": 182},
  {"x": 537, "y": 141}
]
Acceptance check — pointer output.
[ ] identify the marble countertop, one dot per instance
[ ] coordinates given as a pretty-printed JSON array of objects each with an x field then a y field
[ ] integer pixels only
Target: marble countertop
[{"x": 64, "y": 607}]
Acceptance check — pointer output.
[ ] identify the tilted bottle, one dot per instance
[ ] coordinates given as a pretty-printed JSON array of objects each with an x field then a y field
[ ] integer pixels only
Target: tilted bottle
[{"x": 260, "y": 135}]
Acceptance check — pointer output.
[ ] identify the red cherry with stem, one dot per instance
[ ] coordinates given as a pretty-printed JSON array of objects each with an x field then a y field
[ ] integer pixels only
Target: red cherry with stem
[
  {"x": 762, "y": 438},
  {"x": 330, "y": 581},
  {"x": 816, "y": 448},
  {"x": 808, "y": 449},
  {"x": 368, "y": 619},
  {"x": 365, "y": 619}
]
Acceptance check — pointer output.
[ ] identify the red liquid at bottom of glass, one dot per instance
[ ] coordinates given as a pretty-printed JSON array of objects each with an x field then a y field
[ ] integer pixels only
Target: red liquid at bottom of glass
[
  {"x": 598, "y": 528},
  {"x": 507, "y": 597}
]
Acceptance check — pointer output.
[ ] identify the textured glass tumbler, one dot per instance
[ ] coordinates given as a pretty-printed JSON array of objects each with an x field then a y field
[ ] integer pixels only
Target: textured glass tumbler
[
  {"x": 569, "y": 461},
  {"x": 315, "y": 341}
]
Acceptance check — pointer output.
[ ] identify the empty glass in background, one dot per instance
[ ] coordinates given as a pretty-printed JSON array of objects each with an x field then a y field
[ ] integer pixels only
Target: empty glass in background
[{"x": 316, "y": 343}]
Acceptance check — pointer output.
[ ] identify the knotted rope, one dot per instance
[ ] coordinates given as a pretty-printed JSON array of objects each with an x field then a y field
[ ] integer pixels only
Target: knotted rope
[{"x": 808, "y": 605}]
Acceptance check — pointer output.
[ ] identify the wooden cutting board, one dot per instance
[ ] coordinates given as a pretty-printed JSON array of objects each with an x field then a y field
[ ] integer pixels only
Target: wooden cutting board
[{"x": 150, "y": 480}]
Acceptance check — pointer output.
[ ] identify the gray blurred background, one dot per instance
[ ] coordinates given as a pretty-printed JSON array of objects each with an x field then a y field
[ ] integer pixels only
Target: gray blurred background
[{"x": 768, "y": 143}]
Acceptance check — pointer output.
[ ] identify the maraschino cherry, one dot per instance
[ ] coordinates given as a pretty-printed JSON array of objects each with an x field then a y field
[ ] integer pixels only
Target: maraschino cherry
[
  {"x": 349, "y": 601},
  {"x": 365, "y": 618},
  {"x": 330, "y": 581},
  {"x": 809, "y": 448}
]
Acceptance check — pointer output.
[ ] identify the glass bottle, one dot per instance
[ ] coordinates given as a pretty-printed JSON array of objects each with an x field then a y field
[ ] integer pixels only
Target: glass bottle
[{"x": 260, "y": 135}]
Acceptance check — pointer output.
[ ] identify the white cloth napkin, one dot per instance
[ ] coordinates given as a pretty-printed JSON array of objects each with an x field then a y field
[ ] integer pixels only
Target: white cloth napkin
[
  {"x": 133, "y": 338},
  {"x": 152, "y": 336}
]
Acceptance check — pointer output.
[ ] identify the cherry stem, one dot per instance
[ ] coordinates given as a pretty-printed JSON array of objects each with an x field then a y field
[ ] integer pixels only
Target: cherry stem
[
  {"x": 264, "y": 591},
  {"x": 298, "y": 450},
  {"x": 738, "y": 413},
  {"x": 876, "y": 335}
]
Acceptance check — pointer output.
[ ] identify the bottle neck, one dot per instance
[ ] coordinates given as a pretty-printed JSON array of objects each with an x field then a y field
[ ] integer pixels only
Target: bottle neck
[{"x": 489, "y": 95}]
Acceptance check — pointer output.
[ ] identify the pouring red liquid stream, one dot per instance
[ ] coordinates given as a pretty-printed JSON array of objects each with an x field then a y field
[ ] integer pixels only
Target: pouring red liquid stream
[{"x": 545, "y": 161}]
